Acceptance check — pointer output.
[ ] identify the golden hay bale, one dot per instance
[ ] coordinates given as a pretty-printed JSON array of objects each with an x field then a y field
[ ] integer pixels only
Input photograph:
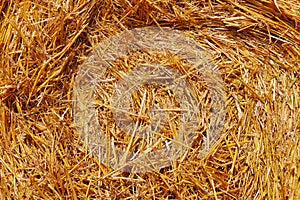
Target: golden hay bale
[{"x": 255, "y": 45}]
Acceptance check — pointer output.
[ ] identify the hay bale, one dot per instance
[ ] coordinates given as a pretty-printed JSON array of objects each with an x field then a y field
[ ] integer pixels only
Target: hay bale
[{"x": 255, "y": 45}]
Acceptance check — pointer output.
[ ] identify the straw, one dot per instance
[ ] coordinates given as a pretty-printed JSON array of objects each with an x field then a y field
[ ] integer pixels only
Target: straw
[{"x": 255, "y": 47}]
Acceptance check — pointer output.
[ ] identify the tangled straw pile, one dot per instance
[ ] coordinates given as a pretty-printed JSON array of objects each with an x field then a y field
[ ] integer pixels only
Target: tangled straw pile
[{"x": 255, "y": 45}]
